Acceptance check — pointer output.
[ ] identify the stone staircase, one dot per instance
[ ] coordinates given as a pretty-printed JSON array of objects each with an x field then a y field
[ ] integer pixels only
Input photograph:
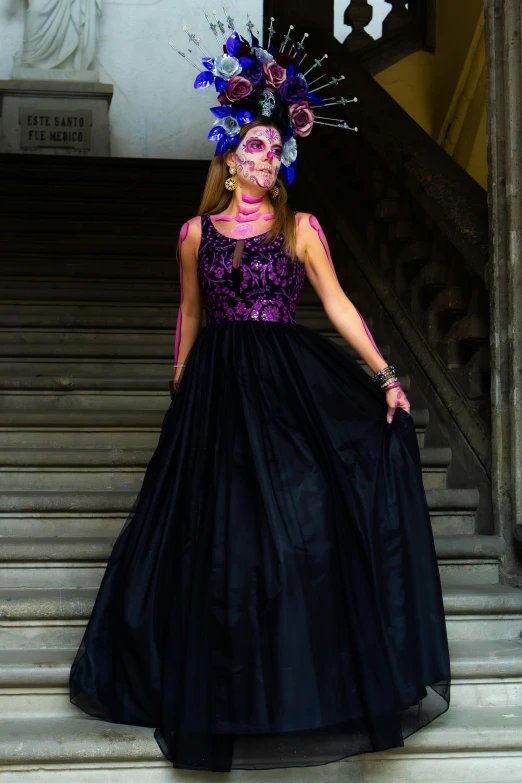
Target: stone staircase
[{"x": 89, "y": 288}]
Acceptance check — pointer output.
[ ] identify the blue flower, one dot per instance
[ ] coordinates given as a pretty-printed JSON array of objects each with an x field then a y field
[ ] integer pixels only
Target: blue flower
[
  {"x": 226, "y": 128},
  {"x": 289, "y": 153},
  {"x": 225, "y": 67}
]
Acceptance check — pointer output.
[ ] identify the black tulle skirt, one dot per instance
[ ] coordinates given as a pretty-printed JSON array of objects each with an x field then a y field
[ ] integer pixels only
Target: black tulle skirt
[{"x": 273, "y": 599}]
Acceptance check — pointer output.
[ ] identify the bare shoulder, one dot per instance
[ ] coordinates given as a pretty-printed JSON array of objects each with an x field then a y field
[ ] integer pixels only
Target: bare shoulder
[
  {"x": 302, "y": 223},
  {"x": 306, "y": 225},
  {"x": 191, "y": 231}
]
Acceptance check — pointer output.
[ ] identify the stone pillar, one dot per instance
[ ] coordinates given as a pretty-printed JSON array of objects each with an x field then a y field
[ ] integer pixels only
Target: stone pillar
[{"x": 503, "y": 31}]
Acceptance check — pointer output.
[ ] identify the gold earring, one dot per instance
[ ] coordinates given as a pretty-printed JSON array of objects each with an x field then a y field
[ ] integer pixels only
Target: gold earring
[
  {"x": 231, "y": 182},
  {"x": 273, "y": 192}
]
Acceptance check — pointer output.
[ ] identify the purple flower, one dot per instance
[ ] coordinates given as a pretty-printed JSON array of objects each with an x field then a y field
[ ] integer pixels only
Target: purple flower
[
  {"x": 302, "y": 118},
  {"x": 293, "y": 90},
  {"x": 275, "y": 75},
  {"x": 255, "y": 75},
  {"x": 237, "y": 88},
  {"x": 271, "y": 313}
]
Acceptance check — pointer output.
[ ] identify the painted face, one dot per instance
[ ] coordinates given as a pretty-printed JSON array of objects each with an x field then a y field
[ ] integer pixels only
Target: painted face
[{"x": 258, "y": 156}]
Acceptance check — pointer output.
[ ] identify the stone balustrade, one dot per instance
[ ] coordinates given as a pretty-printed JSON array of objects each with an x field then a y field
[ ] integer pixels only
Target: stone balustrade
[{"x": 359, "y": 14}]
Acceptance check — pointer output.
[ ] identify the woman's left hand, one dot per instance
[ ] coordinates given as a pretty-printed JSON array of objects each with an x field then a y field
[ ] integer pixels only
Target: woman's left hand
[{"x": 396, "y": 398}]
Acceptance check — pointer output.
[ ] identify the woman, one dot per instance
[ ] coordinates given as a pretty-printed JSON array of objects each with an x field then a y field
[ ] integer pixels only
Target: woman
[{"x": 274, "y": 598}]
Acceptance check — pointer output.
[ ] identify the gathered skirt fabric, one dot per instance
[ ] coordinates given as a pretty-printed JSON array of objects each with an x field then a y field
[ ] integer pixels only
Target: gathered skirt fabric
[{"x": 273, "y": 599}]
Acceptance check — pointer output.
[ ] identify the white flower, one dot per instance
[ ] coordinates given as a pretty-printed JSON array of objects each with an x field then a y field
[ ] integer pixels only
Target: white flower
[
  {"x": 289, "y": 153},
  {"x": 226, "y": 67},
  {"x": 230, "y": 124},
  {"x": 262, "y": 55}
]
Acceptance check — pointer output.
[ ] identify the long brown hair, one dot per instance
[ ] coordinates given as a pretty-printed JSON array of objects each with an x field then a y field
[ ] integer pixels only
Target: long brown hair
[{"x": 216, "y": 198}]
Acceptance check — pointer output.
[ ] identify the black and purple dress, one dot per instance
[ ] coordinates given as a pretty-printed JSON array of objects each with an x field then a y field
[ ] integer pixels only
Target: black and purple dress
[{"x": 273, "y": 599}]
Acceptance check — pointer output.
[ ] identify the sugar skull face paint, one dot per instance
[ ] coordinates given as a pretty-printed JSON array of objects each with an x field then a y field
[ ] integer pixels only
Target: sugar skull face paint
[{"x": 258, "y": 156}]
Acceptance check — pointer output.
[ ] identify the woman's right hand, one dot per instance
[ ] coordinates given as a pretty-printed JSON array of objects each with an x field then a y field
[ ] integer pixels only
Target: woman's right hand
[{"x": 396, "y": 398}]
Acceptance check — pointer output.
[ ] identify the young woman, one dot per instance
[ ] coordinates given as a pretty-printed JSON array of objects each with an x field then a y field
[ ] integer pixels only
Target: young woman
[{"x": 274, "y": 598}]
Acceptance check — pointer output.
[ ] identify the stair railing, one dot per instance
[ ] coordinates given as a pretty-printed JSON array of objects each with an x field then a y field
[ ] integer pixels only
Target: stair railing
[
  {"x": 421, "y": 221},
  {"x": 408, "y": 27}
]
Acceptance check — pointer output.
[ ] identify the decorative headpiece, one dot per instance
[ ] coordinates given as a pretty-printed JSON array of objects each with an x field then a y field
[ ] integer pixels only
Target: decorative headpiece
[{"x": 252, "y": 82}]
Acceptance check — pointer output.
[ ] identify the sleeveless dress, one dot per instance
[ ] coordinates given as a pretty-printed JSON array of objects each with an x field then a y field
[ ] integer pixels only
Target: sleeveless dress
[{"x": 273, "y": 599}]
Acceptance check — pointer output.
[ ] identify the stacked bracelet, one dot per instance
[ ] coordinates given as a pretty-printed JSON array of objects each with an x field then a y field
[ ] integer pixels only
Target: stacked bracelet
[{"x": 386, "y": 376}]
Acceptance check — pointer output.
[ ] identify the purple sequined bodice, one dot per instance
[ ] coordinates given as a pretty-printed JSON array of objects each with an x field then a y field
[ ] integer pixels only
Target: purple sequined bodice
[{"x": 265, "y": 287}]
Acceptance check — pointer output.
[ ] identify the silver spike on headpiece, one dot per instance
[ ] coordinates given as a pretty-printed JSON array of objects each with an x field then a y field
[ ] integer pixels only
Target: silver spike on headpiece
[
  {"x": 300, "y": 44},
  {"x": 339, "y": 102},
  {"x": 271, "y": 31},
  {"x": 220, "y": 25},
  {"x": 286, "y": 38},
  {"x": 317, "y": 64},
  {"x": 332, "y": 81},
  {"x": 212, "y": 26},
  {"x": 230, "y": 21},
  {"x": 182, "y": 54},
  {"x": 196, "y": 40},
  {"x": 334, "y": 123},
  {"x": 249, "y": 26}
]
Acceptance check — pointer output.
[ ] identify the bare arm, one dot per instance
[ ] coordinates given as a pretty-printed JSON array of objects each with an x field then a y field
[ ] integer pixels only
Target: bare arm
[
  {"x": 313, "y": 251},
  {"x": 191, "y": 299}
]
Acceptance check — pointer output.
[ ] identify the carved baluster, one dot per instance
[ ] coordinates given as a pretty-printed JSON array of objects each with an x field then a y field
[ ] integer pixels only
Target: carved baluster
[
  {"x": 398, "y": 17},
  {"x": 358, "y": 15}
]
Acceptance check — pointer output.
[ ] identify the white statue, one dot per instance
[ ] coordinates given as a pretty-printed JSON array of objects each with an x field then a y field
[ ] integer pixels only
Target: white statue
[{"x": 60, "y": 34}]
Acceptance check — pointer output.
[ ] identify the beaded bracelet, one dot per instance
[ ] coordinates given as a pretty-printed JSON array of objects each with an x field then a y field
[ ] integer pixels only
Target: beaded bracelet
[{"x": 384, "y": 375}]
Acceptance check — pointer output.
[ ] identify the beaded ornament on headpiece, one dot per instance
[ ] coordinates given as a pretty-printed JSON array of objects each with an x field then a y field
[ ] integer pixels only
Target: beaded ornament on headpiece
[{"x": 252, "y": 82}]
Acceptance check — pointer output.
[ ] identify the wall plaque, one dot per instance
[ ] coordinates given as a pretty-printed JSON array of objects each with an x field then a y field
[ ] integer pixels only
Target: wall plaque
[{"x": 55, "y": 128}]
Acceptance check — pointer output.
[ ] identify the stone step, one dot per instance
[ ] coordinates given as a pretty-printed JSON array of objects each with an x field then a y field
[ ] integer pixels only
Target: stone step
[
  {"x": 132, "y": 314},
  {"x": 118, "y": 316},
  {"x": 473, "y": 611},
  {"x": 21, "y": 205},
  {"x": 119, "y": 477},
  {"x": 78, "y": 523},
  {"x": 85, "y": 410},
  {"x": 52, "y": 391},
  {"x": 171, "y": 174},
  {"x": 116, "y": 500},
  {"x": 73, "y": 265},
  {"x": 57, "y": 618},
  {"x": 51, "y": 562},
  {"x": 69, "y": 290},
  {"x": 453, "y": 511},
  {"x": 34, "y": 682},
  {"x": 100, "y": 343},
  {"x": 29, "y": 393},
  {"x": 432, "y": 459},
  {"x": 109, "y": 430},
  {"x": 125, "y": 245},
  {"x": 70, "y": 326},
  {"x": 484, "y": 674},
  {"x": 171, "y": 195},
  {"x": 105, "y": 438},
  {"x": 89, "y": 315},
  {"x": 483, "y": 745},
  {"x": 74, "y": 226}
]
